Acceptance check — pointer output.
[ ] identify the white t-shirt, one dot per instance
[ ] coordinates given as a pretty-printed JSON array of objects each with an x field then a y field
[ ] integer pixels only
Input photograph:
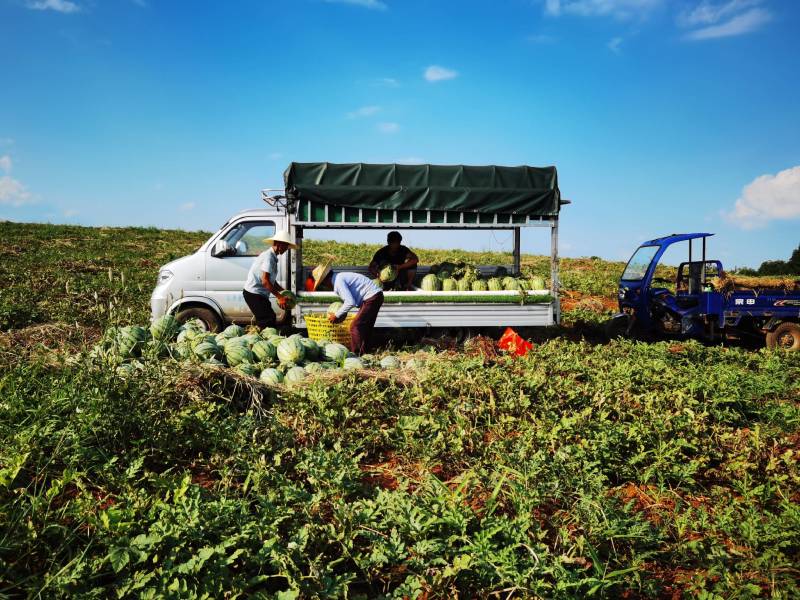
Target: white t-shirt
[{"x": 266, "y": 262}]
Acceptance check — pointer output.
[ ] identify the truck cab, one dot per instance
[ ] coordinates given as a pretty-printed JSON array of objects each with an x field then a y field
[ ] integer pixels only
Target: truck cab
[{"x": 208, "y": 284}]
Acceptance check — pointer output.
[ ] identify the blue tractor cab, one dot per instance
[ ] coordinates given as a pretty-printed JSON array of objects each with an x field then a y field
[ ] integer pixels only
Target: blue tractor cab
[{"x": 692, "y": 306}]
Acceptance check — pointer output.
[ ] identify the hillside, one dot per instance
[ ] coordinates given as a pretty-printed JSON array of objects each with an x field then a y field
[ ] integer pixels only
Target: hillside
[
  {"x": 608, "y": 470},
  {"x": 84, "y": 275}
]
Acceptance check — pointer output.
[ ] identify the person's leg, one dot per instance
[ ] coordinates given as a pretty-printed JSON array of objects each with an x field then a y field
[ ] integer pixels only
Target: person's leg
[
  {"x": 363, "y": 324},
  {"x": 261, "y": 308}
]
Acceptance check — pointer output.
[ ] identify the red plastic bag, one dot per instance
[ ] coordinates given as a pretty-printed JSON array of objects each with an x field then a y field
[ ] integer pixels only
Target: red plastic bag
[{"x": 512, "y": 343}]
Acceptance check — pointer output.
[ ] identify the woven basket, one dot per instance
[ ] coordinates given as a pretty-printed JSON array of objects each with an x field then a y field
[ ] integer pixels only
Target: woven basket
[{"x": 319, "y": 328}]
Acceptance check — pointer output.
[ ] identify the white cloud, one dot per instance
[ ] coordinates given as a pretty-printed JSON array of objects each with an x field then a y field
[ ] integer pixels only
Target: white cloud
[
  {"x": 62, "y": 6},
  {"x": 70, "y": 212},
  {"x": 372, "y": 4},
  {"x": 709, "y": 13},
  {"x": 620, "y": 9},
  {"x": 614, "y": 44},
  {"x": 7, "y": 141},
  {"x": 768, "y": 198},
  {"x": 436, "y": 73},
  {"x": 388, "y": 127},
  {"x": 5, "y": 163},
  {"x": 738, "y": 25},
  {"x": 387, "y": 82},
  {"x": 364, "y": 111},
  {"x": 187, "y": 206},
  {"x": 13, "y": 193}
]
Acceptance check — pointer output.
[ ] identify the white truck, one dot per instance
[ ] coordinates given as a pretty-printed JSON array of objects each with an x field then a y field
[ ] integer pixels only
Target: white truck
[{"x": 208, "y": 284}]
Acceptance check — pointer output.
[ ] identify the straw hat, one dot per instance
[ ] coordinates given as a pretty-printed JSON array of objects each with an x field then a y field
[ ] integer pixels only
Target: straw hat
[
  {"x": 321, "y": 271},
  {"x": 282, "y": 236}
]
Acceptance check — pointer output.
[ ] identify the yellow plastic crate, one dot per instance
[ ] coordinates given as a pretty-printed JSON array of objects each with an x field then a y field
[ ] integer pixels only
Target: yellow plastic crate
[{"x": 319, "y": 328}]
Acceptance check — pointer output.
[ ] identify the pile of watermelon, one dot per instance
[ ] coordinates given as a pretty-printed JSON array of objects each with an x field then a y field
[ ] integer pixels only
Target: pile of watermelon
[
  {"x": 462, "y": 277},
  {"x": 262, "y": 354}
]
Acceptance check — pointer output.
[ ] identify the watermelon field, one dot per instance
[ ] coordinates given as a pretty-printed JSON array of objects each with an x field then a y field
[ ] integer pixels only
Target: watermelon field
[{"x": 588, "y": 468}]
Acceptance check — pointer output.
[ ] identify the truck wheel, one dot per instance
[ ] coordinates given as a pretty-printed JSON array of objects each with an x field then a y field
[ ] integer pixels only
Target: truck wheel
[
  {"x": 206, "y": 315},
  {"x": 786, "y": 336}
]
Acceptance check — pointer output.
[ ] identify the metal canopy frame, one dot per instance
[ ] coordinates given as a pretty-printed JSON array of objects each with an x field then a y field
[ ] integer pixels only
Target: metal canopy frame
[{"x": 296, "y": 257}]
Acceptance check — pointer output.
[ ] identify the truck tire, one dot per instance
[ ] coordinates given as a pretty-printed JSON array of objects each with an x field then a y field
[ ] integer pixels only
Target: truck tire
[
  {"x": 786, "y": 336},
  {"x": 206, "y": 315}
]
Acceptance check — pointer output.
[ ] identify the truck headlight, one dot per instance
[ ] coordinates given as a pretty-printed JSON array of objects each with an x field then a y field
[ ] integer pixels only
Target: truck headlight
[{"x": 164, "y": 275}]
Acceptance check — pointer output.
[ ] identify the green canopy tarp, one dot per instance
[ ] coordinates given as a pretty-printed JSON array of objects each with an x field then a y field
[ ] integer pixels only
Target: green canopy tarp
[{"x": 516, "y": 190}]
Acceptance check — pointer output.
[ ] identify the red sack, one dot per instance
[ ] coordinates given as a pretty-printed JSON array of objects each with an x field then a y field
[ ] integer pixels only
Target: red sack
[{"x": 512, "y": 343}]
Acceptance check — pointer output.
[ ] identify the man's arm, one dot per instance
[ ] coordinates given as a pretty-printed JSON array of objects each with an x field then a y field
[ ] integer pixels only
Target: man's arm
[
  {"x": 348, "y": 301},
  {"x": 411, "y": 261},
  {"x": 375, "y": 263}
]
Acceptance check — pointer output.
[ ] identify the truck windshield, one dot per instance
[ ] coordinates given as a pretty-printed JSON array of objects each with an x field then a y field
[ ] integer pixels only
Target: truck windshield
[{"x": 637, "y": 265}]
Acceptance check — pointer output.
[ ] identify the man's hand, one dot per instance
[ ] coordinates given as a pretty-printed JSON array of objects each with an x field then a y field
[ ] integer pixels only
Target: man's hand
[
  {"x": 282, "y": 300},
  {"x": 332, "y": 318}
]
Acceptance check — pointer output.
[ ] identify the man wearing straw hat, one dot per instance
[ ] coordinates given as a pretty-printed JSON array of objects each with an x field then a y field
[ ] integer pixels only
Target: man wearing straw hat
[
  {"x": 355, "y": 290},
  {"x": 262, "y": 280}
]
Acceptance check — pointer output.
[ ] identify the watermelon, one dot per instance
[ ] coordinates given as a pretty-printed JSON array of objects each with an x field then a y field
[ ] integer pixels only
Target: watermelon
[
  {"x": 353, "y": 363},
  {"x": 449, "y": 285},
  {"x": 335, "y": 352},
  {"x": 464, "y": 285},
  {"x": 125, "y": 370},
  {"x": 248, "y": 369},
  {"x": 268, "y": 332},
  {"x": 165, "y": 328},
  {"x": 334, "y": 308},
  {"x": 291, "y": 299},
  {"x": 311, "y": 348},
  {"x": 214, "y": 362},
  {"x": 271, "y": 376},
  {"x": 250, "y": 339},
  {"x": 388, "y": 274},
  {"x": 414, "y": 364},
  {"x": 130, "y": 340},
  {"x": 232, "y": 331},
  {"x": 295, "y": 375},
  {"x": 494, "y": 284},
  {"x": 264, "y": 351},
  {"x": 313, "y": 367},
  {"x": 201, "y": 338},
  {"x": 511, "y": 284},
  {"x": 390, "y": 362},
  {"x": 206, "y": 349},
  {"x": 275, "y": 340},
  {"x": 238, "y": 354},
  {"x": 537, "y": 283},
  {"x": 291, "y": 350},
  {"x": 377, "y": 281},
  {"x": 479, "y": 285},
  {"x": 431, "y": 283},
  {"x": 183, "y": 350}
]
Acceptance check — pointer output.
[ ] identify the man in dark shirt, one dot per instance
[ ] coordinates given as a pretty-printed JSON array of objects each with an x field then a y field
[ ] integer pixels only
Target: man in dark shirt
[{"x": 394, "y": 253}]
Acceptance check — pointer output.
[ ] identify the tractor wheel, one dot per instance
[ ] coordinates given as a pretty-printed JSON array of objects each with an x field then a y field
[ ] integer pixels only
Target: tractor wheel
[
  {"x": 785, "y": 336},
  {"x": 617, "y": 327}
]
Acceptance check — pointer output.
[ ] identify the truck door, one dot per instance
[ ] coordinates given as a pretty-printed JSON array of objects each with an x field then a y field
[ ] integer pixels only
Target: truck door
[{"x": 227, "y": 264}]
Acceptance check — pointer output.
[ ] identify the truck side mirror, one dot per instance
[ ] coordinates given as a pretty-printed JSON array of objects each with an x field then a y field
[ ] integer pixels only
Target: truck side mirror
[{"x": 221, "y": 248}]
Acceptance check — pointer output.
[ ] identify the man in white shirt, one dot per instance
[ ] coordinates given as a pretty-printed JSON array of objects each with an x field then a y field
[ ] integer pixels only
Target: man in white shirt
[
  {"x": 355, "y": 290},
  {"x": 262, "y": 280}
]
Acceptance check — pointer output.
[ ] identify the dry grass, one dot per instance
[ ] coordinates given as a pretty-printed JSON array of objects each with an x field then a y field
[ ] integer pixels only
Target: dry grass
[{"x": 730, "y": 283}]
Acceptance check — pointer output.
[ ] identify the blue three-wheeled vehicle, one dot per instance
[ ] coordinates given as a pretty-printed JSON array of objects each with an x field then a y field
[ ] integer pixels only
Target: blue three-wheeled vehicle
[{"x": 699, "y": 307}]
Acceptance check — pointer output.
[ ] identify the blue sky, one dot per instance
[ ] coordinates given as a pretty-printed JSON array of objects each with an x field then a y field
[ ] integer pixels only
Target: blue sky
[{"x": 661, "y": 116}]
